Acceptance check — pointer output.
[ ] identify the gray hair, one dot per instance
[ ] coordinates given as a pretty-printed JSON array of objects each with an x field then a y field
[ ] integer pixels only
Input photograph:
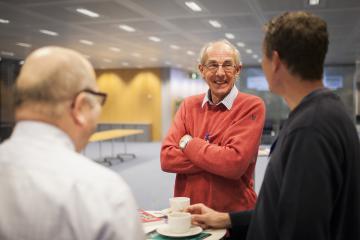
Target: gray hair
[{"x": 203, "y": 52}]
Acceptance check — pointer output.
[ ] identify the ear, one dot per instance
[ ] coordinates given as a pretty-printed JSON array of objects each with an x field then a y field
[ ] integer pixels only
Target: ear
[
  {"x": 201, "y": 70},
  {"x": 238, "y": 69},
  {"x": 275, "y": 62},
  {"x": 79, "y": 110}
]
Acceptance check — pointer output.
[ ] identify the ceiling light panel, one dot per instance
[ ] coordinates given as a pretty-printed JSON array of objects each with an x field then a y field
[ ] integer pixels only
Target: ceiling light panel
[
  {"x": 4, "y": 21},
  {"x": 6, "y": 53},
  {"x": 127, "y": 28},
  {"x": 21, "y": 44},
  {"x": 86, "y": 42},
  {"x": 215, "y": 23},
  {"x": 240, "y": 44},
  {"x": 48, "y": 32},
  {"x": 229, "y": 36},
  {"x": 87, "y": 12},
  {"x": 314, "y": 2},
  {"x": 154, "y": 39},
  {"x": 115, "y": 49},
  {"x": 175, "y": 47},
  {"x": 193, "y": 6}
]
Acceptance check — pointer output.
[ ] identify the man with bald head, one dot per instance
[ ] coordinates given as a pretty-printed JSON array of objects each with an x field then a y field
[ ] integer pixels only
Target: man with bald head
[{"x": 49, "y": 190}]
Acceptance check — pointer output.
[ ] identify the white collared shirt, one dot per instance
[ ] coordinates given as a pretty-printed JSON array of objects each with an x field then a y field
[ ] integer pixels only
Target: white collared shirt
[
  {"x": 48, "y": 191},
  {"x": 227, "y": 101}
]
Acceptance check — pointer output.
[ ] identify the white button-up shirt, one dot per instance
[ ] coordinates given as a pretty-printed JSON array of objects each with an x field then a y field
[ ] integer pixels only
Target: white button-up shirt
[
  {"x": 227, "y": 101},
  {"x": 49, "y": 192}
]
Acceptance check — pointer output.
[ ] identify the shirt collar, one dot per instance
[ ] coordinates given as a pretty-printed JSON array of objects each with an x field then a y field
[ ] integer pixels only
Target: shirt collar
[
  {"x": 227, "y": 101},
  {"x": 44, "y": 132}
]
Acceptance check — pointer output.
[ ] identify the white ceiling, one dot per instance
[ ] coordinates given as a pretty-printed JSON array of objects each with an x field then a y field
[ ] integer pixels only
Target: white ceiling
[{"x": 169, "y": 20}]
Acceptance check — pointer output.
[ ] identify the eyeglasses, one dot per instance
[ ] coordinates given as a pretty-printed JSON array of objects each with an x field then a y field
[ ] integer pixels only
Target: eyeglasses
[
  {"x": 226, "y": 66},
  {"x": 100, "y": 96}
]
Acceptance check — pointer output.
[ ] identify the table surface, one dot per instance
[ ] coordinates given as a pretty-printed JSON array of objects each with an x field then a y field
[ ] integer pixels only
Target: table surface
[
  {"x": 112, "y": 134},
  {"x": 216, "y": 234}
]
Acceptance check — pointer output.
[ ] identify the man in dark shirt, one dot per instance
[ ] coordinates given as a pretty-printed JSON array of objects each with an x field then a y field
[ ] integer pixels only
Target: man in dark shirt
[{"x": 311, "y": 188}]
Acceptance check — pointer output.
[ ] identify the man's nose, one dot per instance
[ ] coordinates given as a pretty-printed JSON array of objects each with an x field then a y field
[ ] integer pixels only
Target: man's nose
[{"x": 220, "y": 70}]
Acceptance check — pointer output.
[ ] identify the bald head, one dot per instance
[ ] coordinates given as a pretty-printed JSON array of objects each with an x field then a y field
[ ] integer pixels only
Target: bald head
[{"x": 51, "y": 75}]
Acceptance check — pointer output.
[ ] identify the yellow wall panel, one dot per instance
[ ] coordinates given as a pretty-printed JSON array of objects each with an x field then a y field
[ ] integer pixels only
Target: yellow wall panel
[{"x": 133, "y": 96}]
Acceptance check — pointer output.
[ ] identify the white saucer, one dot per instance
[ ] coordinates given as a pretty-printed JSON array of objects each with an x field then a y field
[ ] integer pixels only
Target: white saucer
[{"x": 164, "y": 230}]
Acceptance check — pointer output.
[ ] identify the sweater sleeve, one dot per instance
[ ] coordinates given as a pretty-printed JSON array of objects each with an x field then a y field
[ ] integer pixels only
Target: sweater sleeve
[
  {"x": 310, "y": 186},
  {"x": 231, "y": 158},
  {"x": 172, "y": 157}
]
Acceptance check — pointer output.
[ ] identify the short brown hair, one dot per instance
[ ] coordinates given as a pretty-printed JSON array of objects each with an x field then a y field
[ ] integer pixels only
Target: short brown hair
[{"x": 301, "y": 40}]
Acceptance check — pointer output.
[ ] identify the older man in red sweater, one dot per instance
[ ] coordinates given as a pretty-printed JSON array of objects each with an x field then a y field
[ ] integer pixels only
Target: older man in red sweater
[{"x": 213, "y": 142}]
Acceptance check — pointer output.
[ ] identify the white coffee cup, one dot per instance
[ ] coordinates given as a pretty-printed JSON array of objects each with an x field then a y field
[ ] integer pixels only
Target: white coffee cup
[
  {"x": 179, "y": 222},
  {"x": 178, "y": 204}
]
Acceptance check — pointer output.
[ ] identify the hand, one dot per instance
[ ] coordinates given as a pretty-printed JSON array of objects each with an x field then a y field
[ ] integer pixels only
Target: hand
[{"x": 208, "y": 218}]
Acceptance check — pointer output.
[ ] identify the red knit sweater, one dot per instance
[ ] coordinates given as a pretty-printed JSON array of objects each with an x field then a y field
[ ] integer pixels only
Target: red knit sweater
[{"x": 218, "y": 173}]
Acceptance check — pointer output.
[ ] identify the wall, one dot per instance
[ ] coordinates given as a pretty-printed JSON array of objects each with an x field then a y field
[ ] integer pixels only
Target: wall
[
  {"x": 9, "y": 70},
  {"x": 134, "y": 95},
  {"x": 357, "y": 91},
  {"x": 182, "y": 86},
  {"x": 276, "y": 109}
]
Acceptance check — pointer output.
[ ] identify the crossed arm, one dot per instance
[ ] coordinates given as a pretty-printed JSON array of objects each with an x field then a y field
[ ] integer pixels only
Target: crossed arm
[{"x": 236, "y": 152}]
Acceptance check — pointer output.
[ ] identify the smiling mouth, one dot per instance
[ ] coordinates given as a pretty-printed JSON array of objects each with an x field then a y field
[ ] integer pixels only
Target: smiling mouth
[{"x": 219, "y": 82}]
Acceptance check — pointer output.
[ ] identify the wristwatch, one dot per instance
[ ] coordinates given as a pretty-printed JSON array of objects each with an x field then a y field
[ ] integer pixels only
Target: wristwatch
[{"x": 184, "y": 141}]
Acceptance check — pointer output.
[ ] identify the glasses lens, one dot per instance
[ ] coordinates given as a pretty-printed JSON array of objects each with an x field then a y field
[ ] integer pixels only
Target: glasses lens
[
  {"x": 212, "y": 66},
  {"x": 227, "y": 67}
]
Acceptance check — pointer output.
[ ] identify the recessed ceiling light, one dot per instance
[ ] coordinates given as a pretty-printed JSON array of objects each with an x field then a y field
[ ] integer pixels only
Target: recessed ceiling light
[
  {"x": 240, "y": 44},
  {"x": 190, "y": 52},
  {"x": 154, "y": 39},
  {"x": 314, "y": 2},
  {"x": 107, "y": 60},
  {"x": 229, "y": 35},
  {"x": 10, "y": 54},
  {"x": 215, "y": 23},
  {"x": 255, "y": 56},
  {"x": 21, "y": 44},
  {"x": 175, "y": 47},
  {"x": 114, "y": 49},
  {"x": 248, "y": 51},
  {"x": 47, "y": 32},
  {"x": 4, "y": 21},
  {"x": 21, "y": 62},
  {"x": 87, "y": 12},
  {"x": 127, "y": 28},
  {"x": 86, "y": 42},
  {"x": 193, "y": 6}
]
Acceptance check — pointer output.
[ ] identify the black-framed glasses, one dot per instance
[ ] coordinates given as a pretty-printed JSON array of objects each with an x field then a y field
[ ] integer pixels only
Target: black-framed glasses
[
  {"x": 214, "y": 66},
  {"x": 100, "y": 96}
]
